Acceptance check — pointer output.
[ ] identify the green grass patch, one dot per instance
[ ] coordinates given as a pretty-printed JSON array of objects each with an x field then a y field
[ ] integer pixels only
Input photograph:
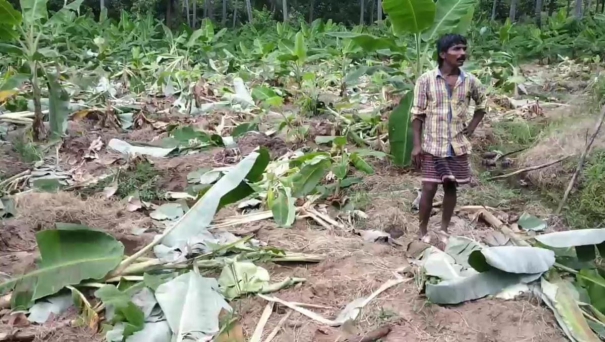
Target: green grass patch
[
  {"x": 28, "y": 150},
  {"x": 142, "y": 178},
  {"x": 586, "y": 207},
  {"x": 514, "y": 135}
]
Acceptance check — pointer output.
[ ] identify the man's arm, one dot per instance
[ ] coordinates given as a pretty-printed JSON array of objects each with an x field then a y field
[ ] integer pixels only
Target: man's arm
[
  {"x": 480, "y": 98},
  {"x": 418, "y": 114}
]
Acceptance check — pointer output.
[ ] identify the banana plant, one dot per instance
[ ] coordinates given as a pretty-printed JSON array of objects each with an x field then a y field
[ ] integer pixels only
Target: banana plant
[{"x": 27, "y": 29}]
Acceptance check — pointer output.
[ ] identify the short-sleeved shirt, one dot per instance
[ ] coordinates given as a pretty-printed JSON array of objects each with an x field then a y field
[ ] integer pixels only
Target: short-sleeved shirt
[{"x": 444, "y": 111}]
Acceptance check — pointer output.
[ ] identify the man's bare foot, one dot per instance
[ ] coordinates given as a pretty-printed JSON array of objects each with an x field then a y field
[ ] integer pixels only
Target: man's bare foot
[{"x": 424, "y": 236}]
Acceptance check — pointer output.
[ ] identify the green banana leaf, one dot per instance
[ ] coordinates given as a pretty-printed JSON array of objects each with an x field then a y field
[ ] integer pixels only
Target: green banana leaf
[
  {"x": 401, "y": 136},
  {"x": 229, "y": 189},
  {"x": 584, "y": 241},
  {"x": 92, "y": 255},
  {"x": 58, "y": 107},
  {"x": 556, "y": 295},
  {"x": 34, "y": 10},
  {"x": 448, "y": 16},
  {"x": 512, "y": 259},
  {"x": 410, "y": 16}
]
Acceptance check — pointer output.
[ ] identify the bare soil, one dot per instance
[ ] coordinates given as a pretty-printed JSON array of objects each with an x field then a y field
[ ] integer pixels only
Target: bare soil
[{"x": 10, "y": 161}]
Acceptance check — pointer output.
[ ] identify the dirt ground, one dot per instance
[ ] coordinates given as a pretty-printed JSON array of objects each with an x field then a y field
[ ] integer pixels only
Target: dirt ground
[{"x": 352, "y": 268}]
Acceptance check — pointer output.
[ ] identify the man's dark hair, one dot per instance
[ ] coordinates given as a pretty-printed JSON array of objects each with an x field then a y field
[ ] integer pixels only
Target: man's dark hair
[{"x": 446, "y": 42}]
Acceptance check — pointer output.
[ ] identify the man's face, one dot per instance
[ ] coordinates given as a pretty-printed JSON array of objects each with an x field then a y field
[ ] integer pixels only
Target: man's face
[{"x": 456, "y": 55}]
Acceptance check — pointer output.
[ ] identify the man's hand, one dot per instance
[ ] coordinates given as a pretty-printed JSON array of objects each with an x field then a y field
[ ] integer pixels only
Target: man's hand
[
  {"x": 468, "y": 131},
  {"x": 417, "y": 157}
]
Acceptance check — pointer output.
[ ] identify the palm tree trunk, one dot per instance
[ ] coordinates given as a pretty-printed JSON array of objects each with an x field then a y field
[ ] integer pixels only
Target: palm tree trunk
[
  {"x": 224, "y": 21},
  {"x": 579, "y": 10},
  {"x": 311, "y": 7},
  {"x": 285, "y": 10},
  {"x": 379, "y": 11},
  {"x": 372, "y": 12}
]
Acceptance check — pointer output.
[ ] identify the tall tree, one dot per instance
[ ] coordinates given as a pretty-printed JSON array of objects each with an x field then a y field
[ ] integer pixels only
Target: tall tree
[
  {"x": 579, "y": 12},
  {"x": 494, "y": 7},
  {"x": 539, "y": 13},
  {"x": 372, "y": 12},
  {"x": 249, "y": 10},
  {"x": 284, "y": 4},
  {"x": 311, "y": 8},
  {"x": 224, "y": 21},
  {"x": 194, "y": 19},
  {"x": 361, "y": 12},
  {"x": 513, "y": 10},
  {"x": 187, "y": 12},
  {"x": 234, "y": 12},
  {"x": 379, "y": 11}
]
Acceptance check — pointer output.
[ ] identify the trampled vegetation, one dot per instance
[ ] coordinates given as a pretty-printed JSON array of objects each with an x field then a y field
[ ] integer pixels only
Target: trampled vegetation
[{"x": 217, "y": 145}]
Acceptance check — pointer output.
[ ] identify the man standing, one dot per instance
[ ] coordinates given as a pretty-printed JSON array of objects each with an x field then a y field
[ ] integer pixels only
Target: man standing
[{"x": 439, "y": 114}]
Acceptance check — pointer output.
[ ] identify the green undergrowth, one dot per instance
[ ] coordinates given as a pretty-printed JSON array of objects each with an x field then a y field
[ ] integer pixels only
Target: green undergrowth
[
  {"x": 586, "y": 205},
  {"x": 28, "y": 151},
  {"x": 142, "y": 179}
]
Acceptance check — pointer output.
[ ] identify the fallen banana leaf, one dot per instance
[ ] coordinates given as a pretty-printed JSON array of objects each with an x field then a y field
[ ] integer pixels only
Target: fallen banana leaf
[
  {"x": 92, "y": 255},
  {"x": 567, "y": 312}
]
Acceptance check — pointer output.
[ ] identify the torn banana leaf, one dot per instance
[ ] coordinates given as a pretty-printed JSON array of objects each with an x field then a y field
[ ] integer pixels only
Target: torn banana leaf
[
  {"x": 460, "y": 248},
  {"x": 41, "y": 311},
  {"x": 512, "y": 259},
  {"x": 232, "y": 187},
  {"x": 584, "y": 241},
  {"x": 475, "y": 286},
  {"x": 192, "y": 304},
  {"x": 558, "y": 297},
  {"x": 92, "y": 255},
  {"x": 240, "y": 278}
]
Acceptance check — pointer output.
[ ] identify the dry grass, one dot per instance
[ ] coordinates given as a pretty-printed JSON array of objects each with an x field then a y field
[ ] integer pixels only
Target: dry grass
[
  {"x": 566, "y": 135},
  {"x": 565, "y": 139},
  {"x": 43, "y": 210}
]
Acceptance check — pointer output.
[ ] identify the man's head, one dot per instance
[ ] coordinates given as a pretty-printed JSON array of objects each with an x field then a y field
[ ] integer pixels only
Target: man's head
[{"x": 451, "y": 49}]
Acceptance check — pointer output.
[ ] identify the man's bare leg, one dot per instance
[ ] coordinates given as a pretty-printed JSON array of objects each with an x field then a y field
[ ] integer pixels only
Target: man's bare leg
[
  {"x": 449, "y": 203},
  {"x": 426, "y": 206}
]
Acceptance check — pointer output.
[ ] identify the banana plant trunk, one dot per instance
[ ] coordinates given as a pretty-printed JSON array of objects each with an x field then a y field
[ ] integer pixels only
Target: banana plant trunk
[
  {"x": 285, "y": 10},
  {"x": 38, "y": 126}
]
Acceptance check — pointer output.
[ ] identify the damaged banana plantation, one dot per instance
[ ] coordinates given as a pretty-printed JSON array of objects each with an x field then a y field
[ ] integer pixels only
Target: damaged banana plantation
[{"x": 244, "y": 171}]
